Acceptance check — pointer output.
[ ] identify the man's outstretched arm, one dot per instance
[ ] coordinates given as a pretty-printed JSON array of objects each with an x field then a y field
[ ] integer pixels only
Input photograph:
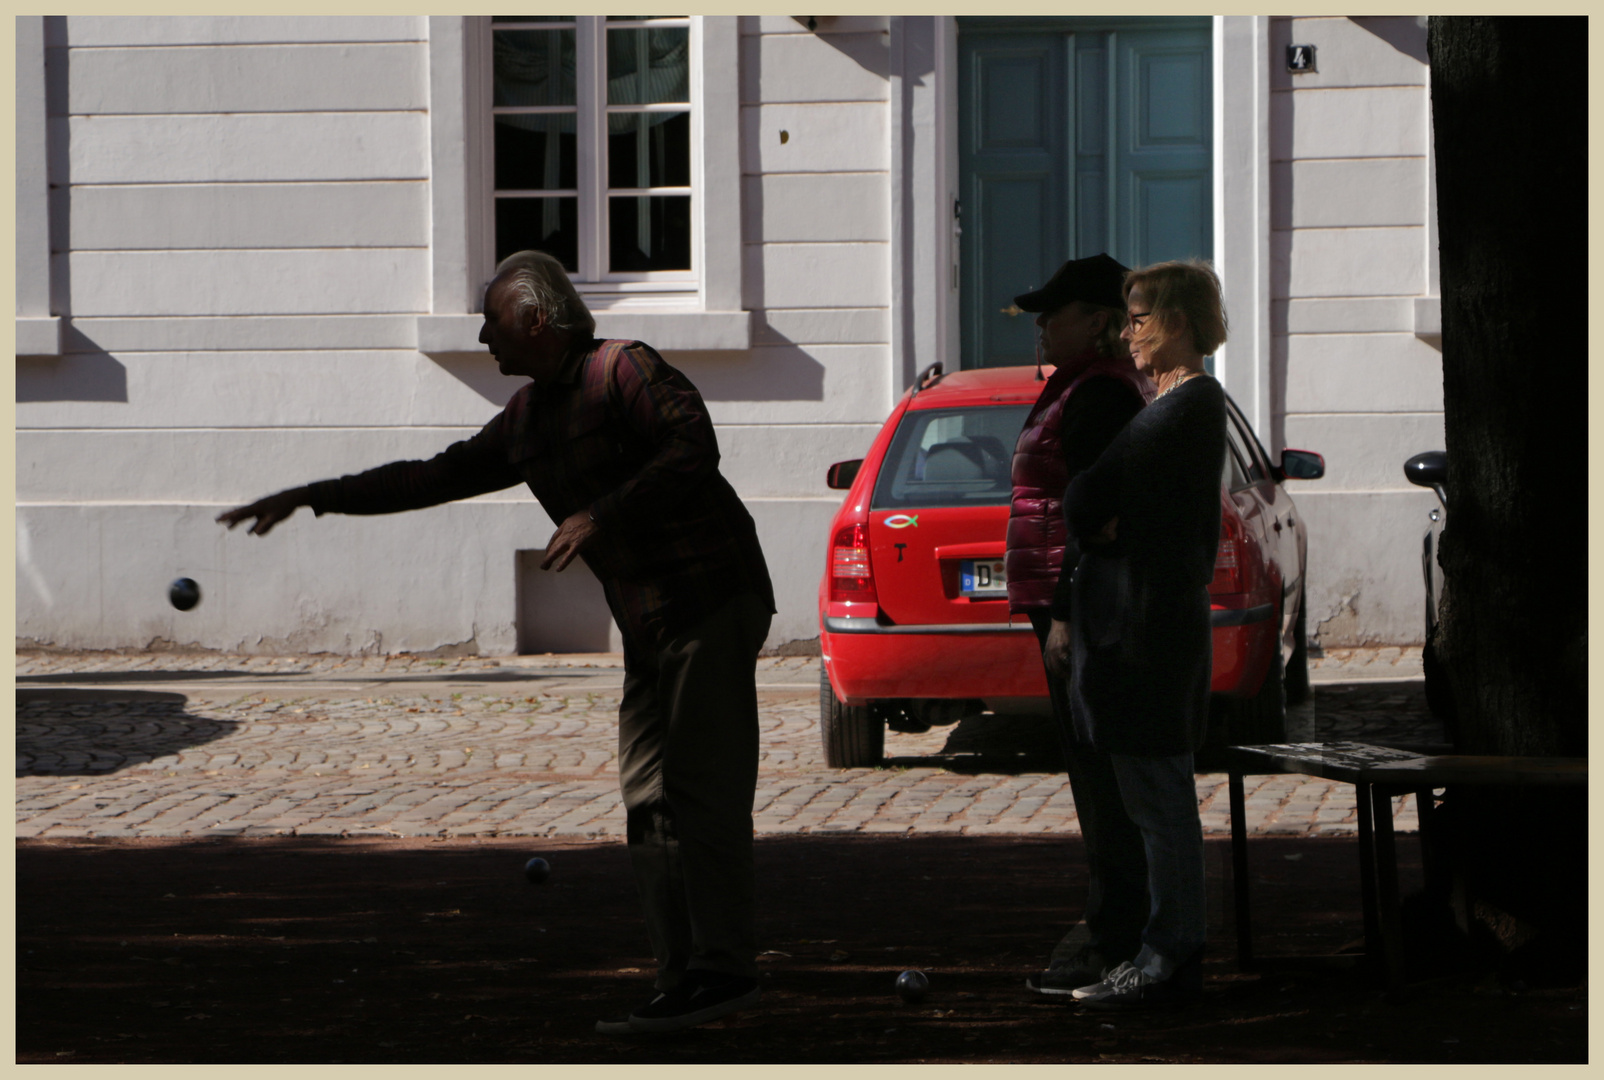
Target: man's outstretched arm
[{"x": 464, "y": 469}]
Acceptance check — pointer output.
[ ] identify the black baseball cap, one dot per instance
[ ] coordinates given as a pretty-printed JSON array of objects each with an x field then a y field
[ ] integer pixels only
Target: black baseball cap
[{"x": 1097, "y": 280}]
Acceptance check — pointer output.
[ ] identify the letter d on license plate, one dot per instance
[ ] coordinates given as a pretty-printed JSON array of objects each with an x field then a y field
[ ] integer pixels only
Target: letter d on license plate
[{"x": 982, "y": 577}]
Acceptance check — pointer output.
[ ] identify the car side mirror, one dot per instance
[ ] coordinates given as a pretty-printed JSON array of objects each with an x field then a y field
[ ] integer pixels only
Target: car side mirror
[
  {"x": 1430, "y": 470},
  {"x": 1302, "y": 465},
  {"x": 842, "y": 473}
]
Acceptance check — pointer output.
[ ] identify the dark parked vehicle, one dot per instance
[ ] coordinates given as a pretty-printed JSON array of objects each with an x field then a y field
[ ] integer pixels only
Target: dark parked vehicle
[{"x": 1430, "y": 470}]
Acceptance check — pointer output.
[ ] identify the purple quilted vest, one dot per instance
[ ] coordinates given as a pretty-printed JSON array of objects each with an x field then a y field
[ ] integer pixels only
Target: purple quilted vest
[{"x": 1036, "y": 528}]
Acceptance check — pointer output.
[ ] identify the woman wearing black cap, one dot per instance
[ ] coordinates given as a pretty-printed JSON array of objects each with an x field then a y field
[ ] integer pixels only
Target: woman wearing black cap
[{"x": 1093, "y": 391}]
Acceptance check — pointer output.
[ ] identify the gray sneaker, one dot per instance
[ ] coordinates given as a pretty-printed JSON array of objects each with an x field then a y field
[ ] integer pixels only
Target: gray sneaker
[
  {"x": 1119, "y": 980},
  {"x": 1130, "y": 987}
]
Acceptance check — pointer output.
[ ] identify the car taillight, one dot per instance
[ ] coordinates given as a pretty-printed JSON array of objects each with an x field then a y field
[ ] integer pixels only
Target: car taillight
[
  {"x": 1228, "y": 569},
  {"x": 850, "y": 577}
]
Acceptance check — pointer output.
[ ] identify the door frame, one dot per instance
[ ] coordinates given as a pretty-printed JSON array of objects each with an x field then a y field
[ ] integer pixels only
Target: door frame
[{"x": 924, "y": 189}]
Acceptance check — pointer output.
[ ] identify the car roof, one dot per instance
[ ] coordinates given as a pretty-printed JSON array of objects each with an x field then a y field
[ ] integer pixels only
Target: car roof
[{"x": 983, "y": 386}]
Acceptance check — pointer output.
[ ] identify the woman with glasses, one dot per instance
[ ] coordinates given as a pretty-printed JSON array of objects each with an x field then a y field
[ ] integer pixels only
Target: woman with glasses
[{"x": 1147, "y": 515}]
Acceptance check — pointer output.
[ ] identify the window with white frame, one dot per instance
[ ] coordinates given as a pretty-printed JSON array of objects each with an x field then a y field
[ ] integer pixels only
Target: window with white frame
[
  {"x": 592, "y": 147},
  {"x": 601, "y": 152}
]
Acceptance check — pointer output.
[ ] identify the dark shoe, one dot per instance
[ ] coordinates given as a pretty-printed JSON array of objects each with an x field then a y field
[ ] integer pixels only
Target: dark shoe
[
  {"x": 1066, "y": 976},
  {"x": 700, "y": 997},
  {"x": 1128, "y": 987}
]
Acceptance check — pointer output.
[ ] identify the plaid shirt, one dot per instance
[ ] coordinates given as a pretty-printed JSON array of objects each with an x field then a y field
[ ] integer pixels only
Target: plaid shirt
[{"x": 621, "y": 433}]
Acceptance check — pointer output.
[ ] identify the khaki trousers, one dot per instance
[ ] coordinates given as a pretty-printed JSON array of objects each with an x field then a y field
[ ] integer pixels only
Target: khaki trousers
[{"x": 687, "y": 762}]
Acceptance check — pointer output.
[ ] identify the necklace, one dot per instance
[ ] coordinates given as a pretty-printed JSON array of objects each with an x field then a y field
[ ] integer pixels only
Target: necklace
[{"x": 1179, "y": 380}]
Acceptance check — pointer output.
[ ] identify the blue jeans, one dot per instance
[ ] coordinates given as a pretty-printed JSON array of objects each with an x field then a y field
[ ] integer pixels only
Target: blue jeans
[{"x": 1160, "y": 796}]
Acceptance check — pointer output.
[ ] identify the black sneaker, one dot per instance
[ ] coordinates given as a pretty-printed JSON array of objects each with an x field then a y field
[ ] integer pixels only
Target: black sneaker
[
  {"x": 700, "y": 997},
  {"x": 1066, "y": 976}
]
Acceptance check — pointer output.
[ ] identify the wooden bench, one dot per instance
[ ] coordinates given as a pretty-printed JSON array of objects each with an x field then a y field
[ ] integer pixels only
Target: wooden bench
[
  {"x": 1341, "y": 761},
  {"x": 1378, "y": 774}
]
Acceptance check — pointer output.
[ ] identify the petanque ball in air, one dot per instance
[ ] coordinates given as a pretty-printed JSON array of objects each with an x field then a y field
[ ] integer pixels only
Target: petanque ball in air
[
  {"x": 537, "y": 870},
  {"x": 183, "y": 593},
  {"x": 912, "y": 986}
]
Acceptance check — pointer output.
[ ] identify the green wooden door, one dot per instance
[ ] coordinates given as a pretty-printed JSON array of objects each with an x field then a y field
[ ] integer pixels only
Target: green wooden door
[{"x": 1077, "y": 135}]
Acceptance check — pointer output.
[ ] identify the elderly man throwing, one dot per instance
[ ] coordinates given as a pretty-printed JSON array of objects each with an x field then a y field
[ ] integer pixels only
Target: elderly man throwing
[{"x": 618, "y": 447}]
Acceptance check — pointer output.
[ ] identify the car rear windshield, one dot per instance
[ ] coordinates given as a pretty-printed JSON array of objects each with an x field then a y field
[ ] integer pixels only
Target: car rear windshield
[{"x": 951, "y": 457}]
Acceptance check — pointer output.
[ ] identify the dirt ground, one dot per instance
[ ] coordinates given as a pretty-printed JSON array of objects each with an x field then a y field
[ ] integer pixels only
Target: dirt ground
[{"x": 297, "y": 950}]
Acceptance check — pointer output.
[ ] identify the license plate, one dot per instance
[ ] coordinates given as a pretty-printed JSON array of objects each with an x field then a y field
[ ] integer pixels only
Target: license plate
[{"x": 982, "y": 577}]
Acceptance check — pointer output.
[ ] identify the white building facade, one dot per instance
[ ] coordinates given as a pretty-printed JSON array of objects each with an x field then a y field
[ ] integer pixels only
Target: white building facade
[{"x": 250, "y": 253}]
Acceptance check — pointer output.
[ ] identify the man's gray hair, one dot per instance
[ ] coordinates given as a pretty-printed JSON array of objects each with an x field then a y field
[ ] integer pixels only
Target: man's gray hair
[{"x": 536, "y": 284}]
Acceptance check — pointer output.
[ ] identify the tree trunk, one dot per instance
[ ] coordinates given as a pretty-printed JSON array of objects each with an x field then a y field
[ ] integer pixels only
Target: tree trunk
[
  {"x": 1509, "y": 115},
  {"x": 1509, "y": 112}
]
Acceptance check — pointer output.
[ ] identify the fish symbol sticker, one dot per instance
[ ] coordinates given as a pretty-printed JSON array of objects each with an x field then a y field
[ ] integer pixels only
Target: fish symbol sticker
[{"x": 901, "y": 521}]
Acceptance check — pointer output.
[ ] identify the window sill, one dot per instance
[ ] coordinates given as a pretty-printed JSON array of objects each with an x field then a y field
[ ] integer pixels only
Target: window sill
[
  {"x": 664, "y": 329},
  {"x": 39, "y": 335}
]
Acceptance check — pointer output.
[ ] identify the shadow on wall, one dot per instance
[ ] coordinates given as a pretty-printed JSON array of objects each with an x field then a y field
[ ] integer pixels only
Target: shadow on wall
[
  {"x": 479, "y": 373},
  {"x": 1406, "y": 34},
  {"x": 85, "y": 372},
  {"x": 856, "y": 38},
  {"x": 97, "y": 732},
  {"x": 779, "y": 370}
]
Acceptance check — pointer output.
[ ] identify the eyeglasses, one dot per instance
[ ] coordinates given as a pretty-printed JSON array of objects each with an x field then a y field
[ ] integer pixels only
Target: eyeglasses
[{"x": 1136, "y": 318}]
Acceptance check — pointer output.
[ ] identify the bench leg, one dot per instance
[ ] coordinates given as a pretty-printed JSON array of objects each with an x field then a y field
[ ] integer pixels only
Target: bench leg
[
  {"x": 1367, "y": 876},
  {"x": 1239, "y": 872},
  {"x": 1388, "y": 911}
]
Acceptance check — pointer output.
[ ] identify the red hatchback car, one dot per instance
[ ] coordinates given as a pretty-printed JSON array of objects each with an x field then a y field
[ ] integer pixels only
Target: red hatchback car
[{"x": 913, "y": 606}]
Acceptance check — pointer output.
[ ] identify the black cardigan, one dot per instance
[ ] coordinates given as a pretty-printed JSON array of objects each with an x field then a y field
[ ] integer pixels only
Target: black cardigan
[{"x": 1140, "y": 618}]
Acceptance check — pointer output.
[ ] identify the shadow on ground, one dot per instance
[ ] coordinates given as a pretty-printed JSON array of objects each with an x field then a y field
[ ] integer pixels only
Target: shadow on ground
[
  {"x": 96, "y": 732},
  {"x": 312, "y": 951}
]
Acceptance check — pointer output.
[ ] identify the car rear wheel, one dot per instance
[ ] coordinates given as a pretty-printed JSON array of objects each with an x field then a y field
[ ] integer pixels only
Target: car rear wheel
[
  {"x": 1297, "y": 680},
  {"x": 854, "y": 737}
]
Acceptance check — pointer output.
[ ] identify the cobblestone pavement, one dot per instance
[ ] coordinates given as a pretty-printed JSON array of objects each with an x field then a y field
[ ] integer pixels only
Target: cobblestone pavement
[{"x": 198, "y": 745}]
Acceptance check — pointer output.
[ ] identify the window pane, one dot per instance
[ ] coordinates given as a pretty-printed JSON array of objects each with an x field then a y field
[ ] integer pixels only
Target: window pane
[
  {"x": 649, "y": 232},
  {"x": 648, "y": 150},
  {"x": 1233, "y": 474},
  {"x": 951, "y": 457},
  {"x": 1240, "y": 447},
  {"x": 536, "y": 153},
  {"x": 531, "y": 18},
  {"x": 648, "y": 66},
  {"x": 534, "y": 67},
  {"x": 549, "y": 225}
]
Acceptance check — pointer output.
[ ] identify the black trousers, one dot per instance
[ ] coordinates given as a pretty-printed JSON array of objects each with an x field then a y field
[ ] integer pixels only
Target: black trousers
[
  {"x": 687, "y": 765},
  {"x": 1117, "y": 905}
]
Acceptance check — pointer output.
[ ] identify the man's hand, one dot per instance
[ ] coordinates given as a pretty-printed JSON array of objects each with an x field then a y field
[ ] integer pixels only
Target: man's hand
[
  {"x": 268, "y": 512},
  {"x": 1055, "y": 652},
  {"x": 1108, "y": 534},
  {"x": 570, "y": 539}
]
